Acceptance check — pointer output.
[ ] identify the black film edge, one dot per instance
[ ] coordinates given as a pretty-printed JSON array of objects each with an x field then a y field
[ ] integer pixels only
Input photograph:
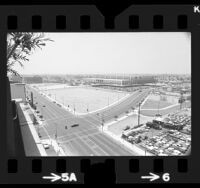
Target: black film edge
[{"x": 17, "y": 168}]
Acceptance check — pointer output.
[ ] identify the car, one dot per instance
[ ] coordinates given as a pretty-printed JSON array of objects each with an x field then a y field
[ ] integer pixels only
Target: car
[
  {"x": 66, "y": 127},
  {"x": 75, "y": 125},
  {"x": 126, "y": 128},
  {"x": 46, "y": 146}
]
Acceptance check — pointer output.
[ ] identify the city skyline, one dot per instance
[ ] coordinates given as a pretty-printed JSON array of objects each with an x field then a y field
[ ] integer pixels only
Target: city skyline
[{"x": 90, "y": 53}]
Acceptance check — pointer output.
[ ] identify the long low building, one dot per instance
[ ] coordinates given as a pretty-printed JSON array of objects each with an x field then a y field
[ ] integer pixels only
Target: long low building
[{"x": 121, "y": 82}]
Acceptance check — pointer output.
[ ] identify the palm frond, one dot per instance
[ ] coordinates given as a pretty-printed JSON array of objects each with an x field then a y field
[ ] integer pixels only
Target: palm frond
[{"x": 21, "y": 45}]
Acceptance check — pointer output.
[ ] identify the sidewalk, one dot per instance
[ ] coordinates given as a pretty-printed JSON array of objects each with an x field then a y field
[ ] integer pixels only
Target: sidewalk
[
  {"x": 134, "y": 148},
  {"x": 31, "y": 127},
  {"x": 49, "y": 141}
]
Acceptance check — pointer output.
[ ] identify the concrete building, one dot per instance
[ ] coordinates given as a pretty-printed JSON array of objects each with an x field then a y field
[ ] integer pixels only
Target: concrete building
[
  {"x": 18, "y": 91},
  {"x": 121, "y": 82}
]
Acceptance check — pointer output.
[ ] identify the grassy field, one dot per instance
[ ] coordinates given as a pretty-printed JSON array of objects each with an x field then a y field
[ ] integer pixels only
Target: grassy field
[
  {"x": 153, "y": 104},
  {"x": 165, "y": 111},
  {"x": 85, "y": 100},
  {"x": 159, "y": 101}
]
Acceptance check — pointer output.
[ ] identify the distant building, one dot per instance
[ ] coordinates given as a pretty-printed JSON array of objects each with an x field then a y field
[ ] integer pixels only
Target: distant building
[
  {"x": 121, "y": 82},
  {"x": 142, "y": 80},
  {"x": 32, "y": 79}
]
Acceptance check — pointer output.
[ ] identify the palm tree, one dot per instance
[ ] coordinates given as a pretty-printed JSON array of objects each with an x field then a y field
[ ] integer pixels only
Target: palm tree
[{"x": 20, "y": 46}]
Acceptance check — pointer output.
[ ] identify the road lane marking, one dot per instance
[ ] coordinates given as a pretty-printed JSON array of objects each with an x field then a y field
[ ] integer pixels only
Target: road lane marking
[{"x": 74, "y": 138}]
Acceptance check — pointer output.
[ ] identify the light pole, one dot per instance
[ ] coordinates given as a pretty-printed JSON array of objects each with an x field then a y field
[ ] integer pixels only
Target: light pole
[
  {"x": 56, "y": 136},
  {"x": 74, "y": 108},
  {"x": 139, "y": 114},
  {"x": 87, "y": 108},
  {"x": 158, "y": 106},
  {"x": 102, "y": 122},
  {"x": 101, "y": 119},
  {"x": 63, "y": 99}
]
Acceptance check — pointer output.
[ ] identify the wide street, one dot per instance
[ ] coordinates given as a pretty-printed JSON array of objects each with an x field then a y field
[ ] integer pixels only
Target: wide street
[{"x": 87, "y": 138}]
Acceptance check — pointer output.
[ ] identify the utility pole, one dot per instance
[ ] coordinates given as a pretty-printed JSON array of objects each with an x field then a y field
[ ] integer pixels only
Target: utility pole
[
  {"x": 158, "y": 106},
  {"x": 32, "y": 99},
  {"x": 139, "y": 114},
  {"x": 102, "y": 123},
  {"x": 56, "y": 134},
  {"x": 181, "y": 100},
  {"x": 74, "y": 109}
]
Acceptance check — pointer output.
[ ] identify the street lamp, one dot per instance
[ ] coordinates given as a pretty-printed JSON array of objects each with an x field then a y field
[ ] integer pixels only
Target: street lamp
[
  {"x": 63, "y": 99},
  {"x": 56, "y": 136},
  {"x": 158, "y": 105},
  {"x": 101, "y": 120},
  {"x": 139, "y": 114},
  {"x": 74, "y": 108}
]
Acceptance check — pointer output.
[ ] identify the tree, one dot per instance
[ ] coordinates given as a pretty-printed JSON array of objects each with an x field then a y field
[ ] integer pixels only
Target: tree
[
  {"x": 20, "y": 46},
  {"x": 34, "y": 120}
]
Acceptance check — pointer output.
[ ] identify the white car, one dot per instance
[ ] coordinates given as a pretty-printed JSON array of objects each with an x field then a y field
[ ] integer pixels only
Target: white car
[{"x": 46, "y": 146}]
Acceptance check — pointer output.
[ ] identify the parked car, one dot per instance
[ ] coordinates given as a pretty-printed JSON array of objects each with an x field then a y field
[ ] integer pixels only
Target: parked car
[{"x": 46, "y": 146}]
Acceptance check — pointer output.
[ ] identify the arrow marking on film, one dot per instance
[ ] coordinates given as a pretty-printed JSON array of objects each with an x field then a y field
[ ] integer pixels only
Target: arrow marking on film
[
  {"x": 152, "y": 177},
  {"x": 53, "y": 178}
]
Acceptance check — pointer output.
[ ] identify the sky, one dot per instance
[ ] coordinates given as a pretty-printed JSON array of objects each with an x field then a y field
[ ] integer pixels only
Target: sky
[{"x": 123, "y": 53}]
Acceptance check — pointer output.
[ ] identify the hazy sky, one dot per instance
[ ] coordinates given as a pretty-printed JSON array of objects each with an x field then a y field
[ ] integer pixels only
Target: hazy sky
[{"x": 71, "y": 53}]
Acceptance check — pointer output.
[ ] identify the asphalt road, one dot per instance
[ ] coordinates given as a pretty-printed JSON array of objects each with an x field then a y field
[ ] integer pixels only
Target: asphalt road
[
  {"x": 86, "y": 139},
  {"x": 120, "y": 108}
]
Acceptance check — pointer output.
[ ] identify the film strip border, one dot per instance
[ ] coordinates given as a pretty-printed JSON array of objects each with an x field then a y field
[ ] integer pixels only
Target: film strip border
[
  {"x": 89, "y": 19},
  {"x": 106, "y": 170},
  {"x": 85, "y": 22}
]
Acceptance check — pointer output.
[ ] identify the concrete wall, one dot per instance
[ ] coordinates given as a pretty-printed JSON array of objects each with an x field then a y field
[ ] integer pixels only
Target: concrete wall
[
  {"x": 9, "y": 124},
  {"x": 18, "y": 91}
]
